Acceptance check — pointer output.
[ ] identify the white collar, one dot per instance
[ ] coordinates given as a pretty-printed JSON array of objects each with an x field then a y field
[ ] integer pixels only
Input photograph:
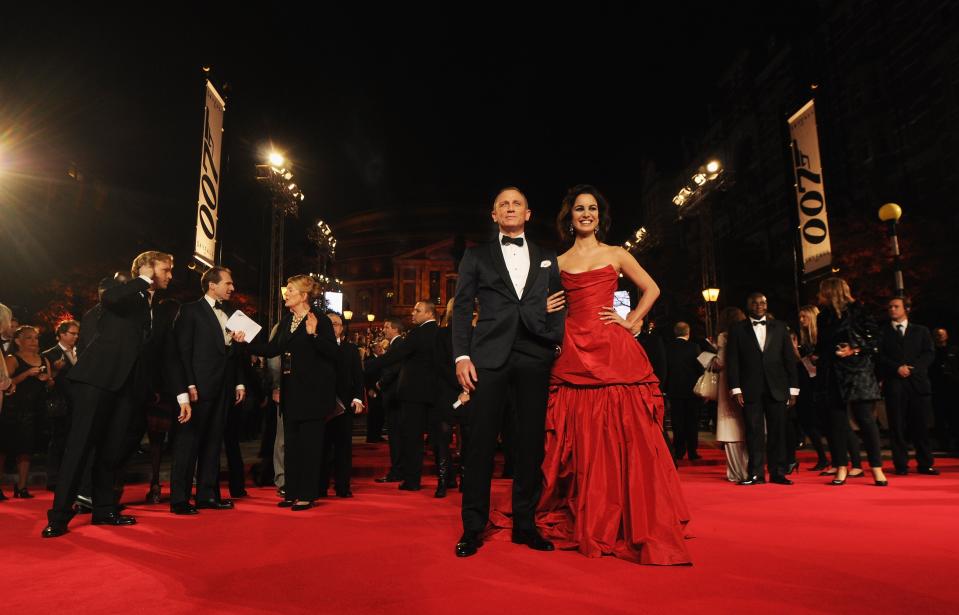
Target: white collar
[
  {"x": 427, "y": 322},
  {"x": 64, "y": 348},
  {"x": 751, "y": 319},
  {"x": 210, "y": 300},
  {"x": 392, "y": 339},
  {"x": 904, "y": 323},
  {"x": 520, "y": 236}
]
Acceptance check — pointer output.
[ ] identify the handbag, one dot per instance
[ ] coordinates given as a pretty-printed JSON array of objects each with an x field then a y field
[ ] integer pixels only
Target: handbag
[{"x": 707, "y": 386}]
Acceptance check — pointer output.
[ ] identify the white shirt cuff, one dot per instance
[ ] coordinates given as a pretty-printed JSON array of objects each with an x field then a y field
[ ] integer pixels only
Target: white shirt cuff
[
  {"x": 794, "y": 392},
  {"x": 736, "y": 392},
  {"x": 461, "y": 358},
  {"x": 183, "y": 398},
  {"x": 360, "y": 401},
  {"x": 240, "y": 387}
]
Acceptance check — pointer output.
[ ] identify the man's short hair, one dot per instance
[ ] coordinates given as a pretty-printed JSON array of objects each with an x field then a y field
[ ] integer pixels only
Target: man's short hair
[
  {"x": 755, "y": 295},
  {"x": 213, "y": 275},
  {"x": 148, "y": 258},
  {"x": 906, "y": 302},
  {"x": 64, "y": 325},
  {"x": 395, "y": 322},
  {"x": 681, "y": 329},
  {"x": 504, "y": 189},
  {"x": 428, "y": 305}
]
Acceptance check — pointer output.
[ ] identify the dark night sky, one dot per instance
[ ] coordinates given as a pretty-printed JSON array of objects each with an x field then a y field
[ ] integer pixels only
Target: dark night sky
[{"x": 377, "y": 109}]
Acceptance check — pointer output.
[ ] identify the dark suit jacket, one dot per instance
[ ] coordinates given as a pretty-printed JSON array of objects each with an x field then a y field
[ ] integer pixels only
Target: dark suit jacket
[
  {"x": 415, "y": 356},
  {"x": 207, "y": 362},
  {"x": 652, "y": 343},
  {"x": 683, "y": 368},
  {"x": 387, "y": 377},
  {"x": 121, "y": 333},
  {"x": 349, "y": 375},
  {"x": 308, "y": 392},
  {"x": 915, "y": 348},
  {"x": 751, "y": 369},
  {"x": 447, "y": 387},
  {"x": 483, "y": 275}
]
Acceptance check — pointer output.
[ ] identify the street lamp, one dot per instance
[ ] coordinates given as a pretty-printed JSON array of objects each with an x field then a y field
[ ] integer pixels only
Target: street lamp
[
  {"x": 348, "y": 314},
  {"x": 890, "y": 214},
  {"x": 710, "y": 295}
]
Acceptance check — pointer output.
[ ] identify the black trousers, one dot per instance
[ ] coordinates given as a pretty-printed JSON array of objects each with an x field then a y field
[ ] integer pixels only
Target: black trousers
[
  {"x": 235, "y": 420},
  {"x": 809, "y": 420},
  {"x": 101, "y": 425},
  {"x": 772, "y": 443},
  {"x": 839, "y": 441},
  {"x": 907, "y": 410},
  {"x": 394, "y": 423},
  {"x": 337, "y": 452},
  {"x": 684, "y": 412},
  {"x": 59, "y": 431},
  {"x": 303, "y": 443},
  {"x": 415, "y": 417},
  {"x": 197, "y": 446},
  {"x": 791, "y": 435},
  {"x": 375, "y": 418},
  {"x": 526, "y": 377}
]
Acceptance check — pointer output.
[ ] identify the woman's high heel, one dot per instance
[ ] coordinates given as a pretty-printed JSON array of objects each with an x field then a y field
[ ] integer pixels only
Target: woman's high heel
[
  {"x": 22, "y": 493},
  {"x": 792, "y": 467}
]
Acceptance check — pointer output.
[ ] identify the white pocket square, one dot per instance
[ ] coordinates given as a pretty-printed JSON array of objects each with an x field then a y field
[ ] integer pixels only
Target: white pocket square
[{"x": 545, "y": 264}]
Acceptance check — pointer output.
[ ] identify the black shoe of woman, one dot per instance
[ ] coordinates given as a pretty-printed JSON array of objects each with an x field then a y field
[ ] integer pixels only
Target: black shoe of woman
[{"x": 22, "y": 493}]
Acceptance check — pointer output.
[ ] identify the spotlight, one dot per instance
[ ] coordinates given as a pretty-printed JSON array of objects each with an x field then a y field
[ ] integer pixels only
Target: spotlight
[
  {"x": 276, "y": 160},
  {"x": 699, "y": 179},
  {"x": 713, "y": 166}
]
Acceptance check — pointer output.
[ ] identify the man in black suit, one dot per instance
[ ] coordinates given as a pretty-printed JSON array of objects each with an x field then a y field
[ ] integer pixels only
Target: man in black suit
[
  {"x": 61, "y": 357},
  {"x": 414, "y": 389},
  {"x": 508, "y": 353},
  {"x": 387, "y": 380},
  {"x": 338, "y": 437},
  {"x": 762, "y": 377},
  {"x": 684, "y": 369},
  {"x": 109, "y": 385},
  {"x": 214, "y": 379},
  {"x": 905, "y": 354}
]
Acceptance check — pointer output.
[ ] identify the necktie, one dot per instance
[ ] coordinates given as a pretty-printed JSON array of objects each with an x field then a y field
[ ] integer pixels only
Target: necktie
[
  {"x": 901, "y": 329},
  {"x": 758, "y": 323},
  {"x": 516, "y": 241}
]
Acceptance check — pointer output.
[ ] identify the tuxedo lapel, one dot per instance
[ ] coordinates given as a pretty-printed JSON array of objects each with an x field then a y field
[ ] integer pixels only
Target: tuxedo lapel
[
  {"x": 215, "y": 324},
  {"x": 534, "y": 268},
  {"x": 769, "y": 333},
  {"x": 499, "y": 263}
]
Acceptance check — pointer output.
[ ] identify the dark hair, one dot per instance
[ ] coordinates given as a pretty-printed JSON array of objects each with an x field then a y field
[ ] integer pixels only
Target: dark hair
[
  {"x": 64, "y": 325},
  {"x": 755, "y": 295},
  {"x": 906, "y": 302},
  {"x": 565, "y": 218},
  {"x": 681, "y": 329},
  {"x": 395, "y": 322},
  {"x": 428, "y": 305},
  {"x": 213, "y": 275},
  {"x": 504, "y": 189}
]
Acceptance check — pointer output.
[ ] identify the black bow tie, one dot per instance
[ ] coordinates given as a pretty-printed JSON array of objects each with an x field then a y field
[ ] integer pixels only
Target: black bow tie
[
  {"x": 757, "y": 323},
  {"x": 219, "y": 306},
  {"x": 516, "y": 241}
]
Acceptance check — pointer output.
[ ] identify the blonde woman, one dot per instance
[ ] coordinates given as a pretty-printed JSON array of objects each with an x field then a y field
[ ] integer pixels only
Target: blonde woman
[{"x": 729, "y": 416}]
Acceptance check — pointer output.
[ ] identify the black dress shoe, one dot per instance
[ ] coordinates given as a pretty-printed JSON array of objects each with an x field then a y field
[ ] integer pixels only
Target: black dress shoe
[
  {"x": 344, "y": 493},
  {"x": 285, "y": 503},
  {"x": 183, "y": 508},
  {"x": 215, "y": 504},
  {"x": 928, "y": 471},
  {"x": 26, "y": 495},
  {"x": 387, "y": 479},
  {"x": 54, "y": 530},
  {"x": 532, "y": 539},
  {"x": 3, "y": 497},
  {"x": 307, "y": 506},
  {"x": 281, "y": 492},
  {"x": 440, "y": 490},
  {"x": 114, "y": 519},
  {"x": 153, "y": 495},
  {"x": 882, "y": 483},
  {"x": 780, "y": 480},
  {"x": 240, "y": 493},
  {"x": 902, "y": 472},
  {"x": 405, "y": 486},
  {"x": 468, "y": 543},
  {"x": 752, "y": 480}
]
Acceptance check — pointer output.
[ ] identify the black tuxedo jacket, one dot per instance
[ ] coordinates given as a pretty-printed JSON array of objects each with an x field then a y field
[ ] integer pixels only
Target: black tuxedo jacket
[
  {"x": 415, "y": 359},
  {"x": 119, "y": 338},
  {"x": 751, "y": 368},
  {"x": 207, "y": 362},
  {"x": 684, "y": 368},
  {"x": 915, "y": 348},
  {"x": 387, "y": 377},
  {"x": 308, "y": 392},
  {"x": 483, "y": 275},
  {"x": 349, "y": 375}
]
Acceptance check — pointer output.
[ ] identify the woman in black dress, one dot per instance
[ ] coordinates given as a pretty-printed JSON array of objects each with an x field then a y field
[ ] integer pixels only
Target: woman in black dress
[
  {"x": 305, "y": 342},
  {"x": 23, "y": 409},
  {"x": 845, "y": 374}
]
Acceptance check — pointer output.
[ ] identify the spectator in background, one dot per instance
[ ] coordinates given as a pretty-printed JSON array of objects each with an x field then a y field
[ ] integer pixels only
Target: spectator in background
[
  {"x": 5, "y": 318},
  {"x": 23, "y": 409},
  {"x": 11, "y": 324},
  {"x": 62, "y": 357},
  {"x": 809, "y": 407},
  {"x": 730, "y": 430},
  {"x": 944, "y": 374},
  {"x": 684, "y": 369}
]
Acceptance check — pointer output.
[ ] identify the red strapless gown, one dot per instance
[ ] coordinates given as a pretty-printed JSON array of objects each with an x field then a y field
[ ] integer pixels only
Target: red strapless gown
[{"x": 610, "y": 484}]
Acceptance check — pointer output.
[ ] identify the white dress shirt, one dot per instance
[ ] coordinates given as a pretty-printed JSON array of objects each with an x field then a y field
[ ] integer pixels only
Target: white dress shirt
[
  {"x": 69, "y": 353},
  {"x": 184, "y": 398},
  {"x": 760, "y": 332},
  {"x": 904, "y": 324},
  {"x": 517, "y": 262}
]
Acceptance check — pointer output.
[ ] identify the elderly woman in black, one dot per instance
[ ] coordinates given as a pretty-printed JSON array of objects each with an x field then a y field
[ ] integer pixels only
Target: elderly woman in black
[
  {"x": 845, "y": 372},
  {"x": 308, "y": 351}
]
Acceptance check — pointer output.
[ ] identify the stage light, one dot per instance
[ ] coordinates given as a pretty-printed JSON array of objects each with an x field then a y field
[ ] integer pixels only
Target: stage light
[
  {"x": 678, "y": 200},
  {"x": 291, "y": 188},
  {"x": 710, "y": 295},
  {"x": 276, "y": 160},
  {"x": 713, "y": 166},
  {"x": 370, "y": 317},
  {"x": 348, "y": 314},
  {"x": 890, "y": 212}
]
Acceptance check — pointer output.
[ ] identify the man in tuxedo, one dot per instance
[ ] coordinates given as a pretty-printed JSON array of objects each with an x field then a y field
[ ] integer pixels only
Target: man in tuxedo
[
  {"x": 684, "y": 368},
  {"x": 108, "y": 387},
  {"x": 905, "y": 354},
  {"x": 62, "y": 357},
  {"x": 214, "y": 379},
  {"x": 762, "y": 377},
  {"x": 508, "y": 353},
  {"x": 338, "y": 436},
  {"x": 387, "y": 379},
  {"x": 414, "y": 389}
]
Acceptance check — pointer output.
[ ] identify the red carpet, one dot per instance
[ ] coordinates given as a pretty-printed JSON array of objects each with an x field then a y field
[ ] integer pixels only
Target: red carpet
[{"x": 765, "y": 549}]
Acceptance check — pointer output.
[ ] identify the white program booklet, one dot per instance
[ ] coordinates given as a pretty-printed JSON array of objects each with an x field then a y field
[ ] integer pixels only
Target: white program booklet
[
  {"x": 706, "y": 358},
  {"x": 241, "y": 322}
]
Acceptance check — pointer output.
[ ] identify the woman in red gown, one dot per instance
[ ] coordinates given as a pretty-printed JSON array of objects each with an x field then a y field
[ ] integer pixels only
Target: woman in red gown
[{"x": 610, "y": 484}]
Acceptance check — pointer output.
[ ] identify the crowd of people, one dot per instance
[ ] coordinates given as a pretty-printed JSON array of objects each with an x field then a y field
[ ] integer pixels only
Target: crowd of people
[{"x": 521, "y": 359}]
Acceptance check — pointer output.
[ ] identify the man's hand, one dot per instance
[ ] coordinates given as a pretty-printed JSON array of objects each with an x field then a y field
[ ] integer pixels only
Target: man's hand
[
  {"x": 240, "y": 396},
  {"x": 357, "y": 406},
  {"x": 146, "y": 271},
  {"x": 905, "y": 371},
  {"x": 276, "y": 396},
  {"x": 463, "y": 398},
  {"x": 185, "y": 413},
  {"x": 739, "y": 400},
  {"x": 556, "y": 302},
  {"x": 194, "y": 396},
  {"x": 466, "y": 375},
  {"x": 791, "y": 402},
  {"x": 238, "y": 336}
]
